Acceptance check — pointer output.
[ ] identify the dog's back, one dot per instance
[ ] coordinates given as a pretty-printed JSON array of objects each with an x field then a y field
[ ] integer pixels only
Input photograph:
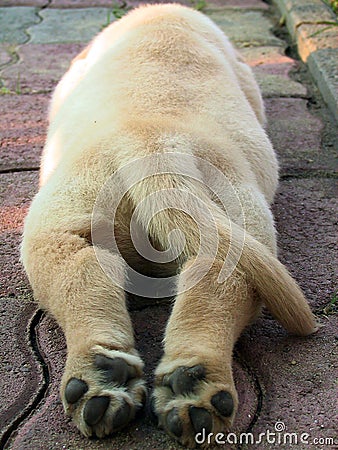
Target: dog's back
[{"x": 170, "y": 66}]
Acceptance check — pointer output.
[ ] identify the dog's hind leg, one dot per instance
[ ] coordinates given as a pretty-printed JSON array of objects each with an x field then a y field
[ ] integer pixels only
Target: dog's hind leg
[
  {"x": 102, "y": 385},
  {"x": 194, "y": 387}
]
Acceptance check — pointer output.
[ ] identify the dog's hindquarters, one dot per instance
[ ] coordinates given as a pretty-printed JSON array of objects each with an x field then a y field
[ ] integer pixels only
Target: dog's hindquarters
[{"x": 269, "y": 277}]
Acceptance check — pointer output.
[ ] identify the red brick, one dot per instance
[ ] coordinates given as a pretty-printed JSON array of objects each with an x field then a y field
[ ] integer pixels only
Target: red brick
[
  {"x": 40, "y": 67},
  {"x": 23, "y": 124}
]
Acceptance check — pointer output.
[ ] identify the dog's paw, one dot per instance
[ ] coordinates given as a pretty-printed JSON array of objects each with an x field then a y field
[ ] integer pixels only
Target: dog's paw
[
  {"x": 103, "y": 391},
  {"x": 189, "y": 404}
]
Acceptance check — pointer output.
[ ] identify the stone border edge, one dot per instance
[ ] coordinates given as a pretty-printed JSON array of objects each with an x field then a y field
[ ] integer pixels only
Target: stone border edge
[{"x": 317, "y": 44}]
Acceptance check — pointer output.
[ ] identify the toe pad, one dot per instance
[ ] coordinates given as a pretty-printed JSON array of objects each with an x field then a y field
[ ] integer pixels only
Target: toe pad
[{"x": 75, "y": 389}]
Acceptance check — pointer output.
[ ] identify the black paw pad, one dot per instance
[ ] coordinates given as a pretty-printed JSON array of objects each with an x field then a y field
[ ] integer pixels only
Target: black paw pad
[
  {"x": 200, "y": 419},
  {"x": 223, "y": 403},
  {"x": 122, "y": 416},
  {"x": 173, "y": 423},
  {"x": 184, "y": 379},
  {"x": 75, "y": 389},
  {"x": 115, "y": 370},
  {"x": 95, "y": 409}
]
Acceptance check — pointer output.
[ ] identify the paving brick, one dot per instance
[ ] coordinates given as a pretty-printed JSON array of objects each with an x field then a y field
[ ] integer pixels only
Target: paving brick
[
  {"x": 23, "y": 126},
  {"x": 306, "y": 222},
  {"x": 296, "y": 136},
  {"x": 219, "y": 4},
  {"x": 278, "y": 86},
  {"x": 313, "y": 26},
  {"x": 20, "y": 373},
  {"x": 37, "y": 3},
  {"x": 246, "y": 28},
  {"x": 323, "y": 66},
  {"x": 297, "y": 378},
  {"x": 16, "y": 191},
  {"x": 5, "y": 54},
  {"x": 312, "y": 11},
  {"x": 271, "y": 68},
  {"x": 68, "y": 25},
  {"x": 311, "y": 38},
  {"x": 14, "y": 22},
  {"x": 13, "y": 281},
  {"x": 82, "y": 3},
  {"x": 40, "y": 67},
  {"x": 243, "y": 4},
  {"x": 296, "y": 374},
  {"x": 311, "y": 23},
  {"x": 271, "y": 58}
]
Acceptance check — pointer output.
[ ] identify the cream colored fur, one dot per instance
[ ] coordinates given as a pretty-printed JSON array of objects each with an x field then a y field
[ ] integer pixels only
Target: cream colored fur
[{"x": 162, "y": 79}]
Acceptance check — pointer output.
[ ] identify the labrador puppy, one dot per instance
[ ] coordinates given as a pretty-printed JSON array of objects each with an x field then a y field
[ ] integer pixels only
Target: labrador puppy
[{"x": 156, "y": 180}]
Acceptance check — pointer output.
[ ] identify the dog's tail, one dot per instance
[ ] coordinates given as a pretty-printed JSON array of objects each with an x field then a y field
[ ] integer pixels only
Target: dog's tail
[{"x": 275, "y": 286}]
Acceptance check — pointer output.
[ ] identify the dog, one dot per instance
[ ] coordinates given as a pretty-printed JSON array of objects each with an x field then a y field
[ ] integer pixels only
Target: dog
[{"x": 156, "y": 143}]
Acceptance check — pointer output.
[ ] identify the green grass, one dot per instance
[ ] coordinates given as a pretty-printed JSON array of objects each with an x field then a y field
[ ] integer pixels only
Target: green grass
[
  {"x": 18, "y": 90},
  {"x": 117, "y": 10},
  {"x": 331, "y": 308},
  {"x": 199, "y": 5},
  {"x": 5, "y": 91},
  {"x": 333, "y": 4},
  {"x": 330, "y": 25}
]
